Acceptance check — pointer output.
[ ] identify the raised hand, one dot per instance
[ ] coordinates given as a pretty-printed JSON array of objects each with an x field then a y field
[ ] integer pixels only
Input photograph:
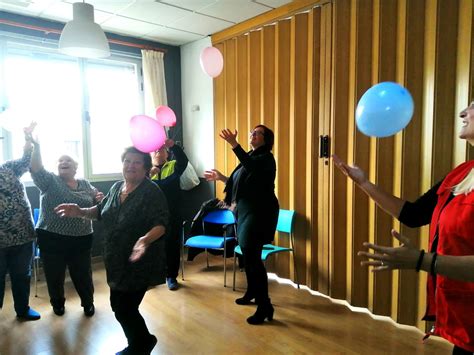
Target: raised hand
[
  {"x": 353, "y": 172},
  {"x": 169, "y": 143},
  {"x": 390, "y": 258},
  {"x": 229, "y": 136},
  {"x": 29, "y": 131}
]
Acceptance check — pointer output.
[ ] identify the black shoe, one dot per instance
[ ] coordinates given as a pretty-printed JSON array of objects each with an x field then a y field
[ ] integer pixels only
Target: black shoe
[
  {"x": 89, "y": 311},
  {"x": 30, "y": 314},
  {"x": 263, "y": 312},
  {"x": 144, "y": 348},
  {"x": 59, "y": 311},
  {"x": 244, "y": 300}
]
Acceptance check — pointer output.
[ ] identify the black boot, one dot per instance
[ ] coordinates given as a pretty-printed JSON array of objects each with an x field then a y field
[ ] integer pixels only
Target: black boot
[
  {"x": 247, "y": 299},
  {"x": 264, "y": 310}
]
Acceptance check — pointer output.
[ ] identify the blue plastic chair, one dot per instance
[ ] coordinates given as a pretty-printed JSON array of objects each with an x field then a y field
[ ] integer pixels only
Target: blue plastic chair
[
  {"x": 223, "y": 217},
  {"x": 285, "y": 225},
  {"x": 36, "y": 252}
]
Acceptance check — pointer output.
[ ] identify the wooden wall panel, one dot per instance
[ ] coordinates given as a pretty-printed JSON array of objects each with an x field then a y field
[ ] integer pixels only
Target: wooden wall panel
[
  {"x": 282, "y": 127},
  {"x": 242, "y": 90},
  {"x": 303, "y": 75},
  {"x": 361, "y": 151},
  {"x": 411, "y": 149},
  {"x": 445, "y": 78},
  {"x": 340, "y": 142},
  {"x": 268, "y": 76},
  {"x": 231, "y": 96},
  {"x": 384, "y": 148},
  {"x": 300, "y": 23},
  {"x": 315, "y": 183},
  {"x": 255, "y": 77},
  {"x": 219, "y": 114}
]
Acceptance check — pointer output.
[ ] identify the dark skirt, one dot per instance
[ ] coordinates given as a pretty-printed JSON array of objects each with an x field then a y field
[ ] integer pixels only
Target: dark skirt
[{"x": 256, "y": 221}]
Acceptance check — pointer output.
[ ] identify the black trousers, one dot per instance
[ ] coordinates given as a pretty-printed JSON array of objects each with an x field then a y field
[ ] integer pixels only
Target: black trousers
[
  {"x": 173, "y": 245},
  {"x": 125, "y": 307},
  {"x": 16, "y": 260},
  {"x": 256, "y": 273},
  {"x": 59, "y": 252}
]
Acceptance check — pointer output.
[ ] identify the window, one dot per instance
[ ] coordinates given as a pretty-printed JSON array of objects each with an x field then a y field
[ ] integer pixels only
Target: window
[{"x": 82, "y": 107}]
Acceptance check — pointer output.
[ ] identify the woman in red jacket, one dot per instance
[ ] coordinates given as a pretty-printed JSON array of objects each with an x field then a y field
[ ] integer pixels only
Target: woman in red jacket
[{"x": 449, "y": 208}]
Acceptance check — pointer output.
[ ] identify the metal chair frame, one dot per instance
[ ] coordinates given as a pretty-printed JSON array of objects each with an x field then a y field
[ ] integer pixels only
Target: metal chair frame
[
  {"x": 36, "y": 253},
  {"x": 269, "y": 249},
  {"x": 210, "y": 218}
]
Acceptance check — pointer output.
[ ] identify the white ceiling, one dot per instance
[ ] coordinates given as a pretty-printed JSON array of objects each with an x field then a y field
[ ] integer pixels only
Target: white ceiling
[{"x": 173, "y": 22}]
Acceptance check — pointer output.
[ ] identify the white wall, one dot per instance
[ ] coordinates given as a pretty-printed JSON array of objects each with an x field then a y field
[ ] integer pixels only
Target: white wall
[{"x": 197, "y": 90}]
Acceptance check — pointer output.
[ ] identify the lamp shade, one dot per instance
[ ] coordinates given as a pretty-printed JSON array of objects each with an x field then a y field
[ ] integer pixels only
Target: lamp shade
[{"x": 82, "y": 37}]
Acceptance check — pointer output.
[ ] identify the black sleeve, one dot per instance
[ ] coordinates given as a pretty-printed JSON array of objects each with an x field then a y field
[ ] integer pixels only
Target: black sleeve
[
  {"x": 254, "y": 163},
  {"x": 181, "y": 159},
  {"x": 418, "y": 213}
]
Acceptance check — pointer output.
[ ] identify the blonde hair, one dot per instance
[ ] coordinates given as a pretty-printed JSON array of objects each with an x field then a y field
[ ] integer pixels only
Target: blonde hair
[{"x": 466, "y": 185}]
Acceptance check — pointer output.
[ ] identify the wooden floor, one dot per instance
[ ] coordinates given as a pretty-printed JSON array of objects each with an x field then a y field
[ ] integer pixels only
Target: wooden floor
[{"x": 202, "y": 318}]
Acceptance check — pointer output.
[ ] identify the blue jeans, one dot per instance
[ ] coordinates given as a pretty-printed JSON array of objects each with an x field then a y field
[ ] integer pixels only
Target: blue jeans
[{"x": 16, "y": 260}]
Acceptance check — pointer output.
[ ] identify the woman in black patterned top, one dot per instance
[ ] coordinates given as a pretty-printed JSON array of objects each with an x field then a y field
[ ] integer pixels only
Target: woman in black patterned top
[
  {"x": 16, "y": 232},
  {"x": 64, "y": 242},
  {"x": 134, "y": 213}
]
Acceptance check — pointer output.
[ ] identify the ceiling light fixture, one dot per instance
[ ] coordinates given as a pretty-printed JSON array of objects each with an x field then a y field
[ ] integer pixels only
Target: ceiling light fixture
[{"x": 82, "y": 37}]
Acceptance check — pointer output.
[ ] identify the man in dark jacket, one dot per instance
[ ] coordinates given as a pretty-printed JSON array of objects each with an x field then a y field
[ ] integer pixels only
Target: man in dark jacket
[{"x": 166, "y": 173}]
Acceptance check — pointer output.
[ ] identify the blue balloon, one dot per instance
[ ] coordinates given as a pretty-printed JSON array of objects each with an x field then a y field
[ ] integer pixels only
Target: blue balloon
[{"x": 384, "y": 109}]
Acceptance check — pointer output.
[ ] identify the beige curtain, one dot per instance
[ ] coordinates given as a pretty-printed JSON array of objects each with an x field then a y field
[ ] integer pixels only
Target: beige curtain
[{"x": 154, "y": 80}]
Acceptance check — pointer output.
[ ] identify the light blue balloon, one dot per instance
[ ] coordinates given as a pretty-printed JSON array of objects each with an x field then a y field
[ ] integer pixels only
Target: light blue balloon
[{"x": 384, "y": 109}]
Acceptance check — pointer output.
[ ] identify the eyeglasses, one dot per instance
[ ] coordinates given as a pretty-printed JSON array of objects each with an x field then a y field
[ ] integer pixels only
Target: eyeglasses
[{"x": 255, "y": 133}]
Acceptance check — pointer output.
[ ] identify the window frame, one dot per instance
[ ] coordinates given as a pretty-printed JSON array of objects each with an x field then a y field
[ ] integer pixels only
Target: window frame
[{"x": 41, "y": 46}]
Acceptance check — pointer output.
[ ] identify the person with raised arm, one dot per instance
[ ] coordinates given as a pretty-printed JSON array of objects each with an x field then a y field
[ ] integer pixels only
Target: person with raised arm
[
  {"x": 251, "y": 189},
  {"x": 448, "y": 207},
  {"x": 17, "y": 232}
]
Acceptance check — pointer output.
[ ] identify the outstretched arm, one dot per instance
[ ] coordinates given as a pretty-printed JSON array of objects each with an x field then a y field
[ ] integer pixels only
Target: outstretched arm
[
  {"x": 179, "y": 155},
  {"x": 20, "y": 166},
  {"x": 406, "y": 256},
  {"x": 74, "y": 211},
  {"x": 215, "y": 175},
  {"x": 36, "y": 160},
  {"x": 388, "y": 202}
]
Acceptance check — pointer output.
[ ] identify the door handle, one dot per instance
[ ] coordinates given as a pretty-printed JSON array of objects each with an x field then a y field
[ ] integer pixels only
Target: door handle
[{"x": 324, "y": 146}]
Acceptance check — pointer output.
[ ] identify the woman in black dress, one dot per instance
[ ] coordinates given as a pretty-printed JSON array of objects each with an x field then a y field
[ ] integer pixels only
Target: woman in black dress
[{"x": 251, "y": 189}]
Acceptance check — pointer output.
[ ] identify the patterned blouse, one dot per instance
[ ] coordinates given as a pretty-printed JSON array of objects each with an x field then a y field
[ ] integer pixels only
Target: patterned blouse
[
  {"x": 124, "y": 223},
  {"x": 55, "y": 191},
  {"x": 16, "y": 223}
]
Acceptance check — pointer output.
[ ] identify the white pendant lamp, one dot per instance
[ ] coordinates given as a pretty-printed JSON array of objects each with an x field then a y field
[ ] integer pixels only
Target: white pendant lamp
[{"x": 82, "y": 37}]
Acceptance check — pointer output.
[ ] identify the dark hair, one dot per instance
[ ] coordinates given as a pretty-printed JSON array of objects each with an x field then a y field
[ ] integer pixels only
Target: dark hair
[
  {"x": 147, "y": 163},
  {"x": 268, "y": 136}
]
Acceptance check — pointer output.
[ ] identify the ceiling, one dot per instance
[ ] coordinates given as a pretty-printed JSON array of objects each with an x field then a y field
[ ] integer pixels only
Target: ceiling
[{"x": 174, "y": 22}]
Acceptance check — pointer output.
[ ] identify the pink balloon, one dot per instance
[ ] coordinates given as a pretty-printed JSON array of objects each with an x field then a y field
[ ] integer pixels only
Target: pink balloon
[
  {"x": 165, "y": 116},
  {"x": 146, "y": 133},
  {"x": 212, "y": 61}
]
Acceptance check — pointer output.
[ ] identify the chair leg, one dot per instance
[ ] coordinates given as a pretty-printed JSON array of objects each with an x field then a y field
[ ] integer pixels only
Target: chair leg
[
  {"x": 182, "y": 251},
  {"x": 207, "y": 258},
  {"x": 225, "y": 262},
  {"x": 296, "y": 271},
  {"x": 233, "y": 280},
  {"x": 182, "y": 262},
  {"x": 35, "y": 271}
]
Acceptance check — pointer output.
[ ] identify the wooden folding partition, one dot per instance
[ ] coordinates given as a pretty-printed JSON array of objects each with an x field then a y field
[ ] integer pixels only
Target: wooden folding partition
[{"x": 301, "y": 70}]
